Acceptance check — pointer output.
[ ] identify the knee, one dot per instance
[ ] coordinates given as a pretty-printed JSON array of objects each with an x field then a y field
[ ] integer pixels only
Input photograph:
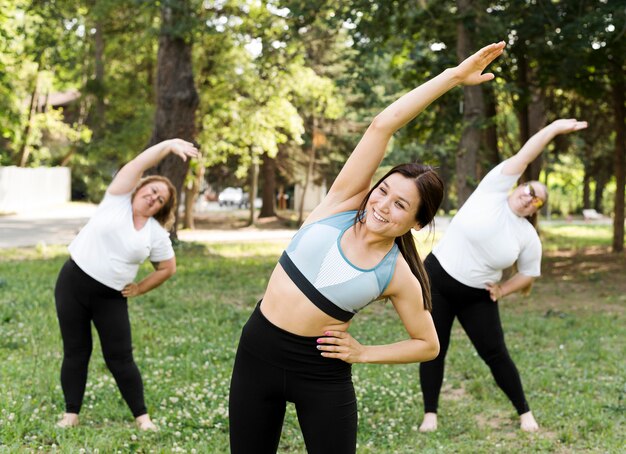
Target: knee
[
  {"x": 119, "y": 360},
  {"x": 496, "y": 356},
  {"x": 77, "y": 355}
]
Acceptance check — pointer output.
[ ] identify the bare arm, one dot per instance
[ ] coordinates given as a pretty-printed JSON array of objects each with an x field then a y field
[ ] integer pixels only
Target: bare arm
[
  {"x": 535, "y": 145},
  {"x": 162, "y": 272},
  {"x": 129, "y": 175},
  {"x": 422, "y": 345},
  {"x": 354, "y": 180},
  {"x": 516, "y": 283}
]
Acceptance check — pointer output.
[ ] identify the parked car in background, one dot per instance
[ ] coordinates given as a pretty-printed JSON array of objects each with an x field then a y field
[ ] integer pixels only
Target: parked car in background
[{"x": 233, "y": 197}]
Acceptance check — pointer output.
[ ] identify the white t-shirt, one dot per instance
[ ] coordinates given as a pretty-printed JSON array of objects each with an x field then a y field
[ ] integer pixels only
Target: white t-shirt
[
  {"x": 109, "y": 249},
  {"x": 486, "y": 237}
]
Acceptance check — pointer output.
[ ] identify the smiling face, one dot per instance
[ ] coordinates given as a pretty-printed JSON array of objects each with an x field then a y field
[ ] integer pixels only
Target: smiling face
[
  {"x": 392, "y": 206},
  {"x": 150, "y": 198},
  {"x": 527, "y": 198}
]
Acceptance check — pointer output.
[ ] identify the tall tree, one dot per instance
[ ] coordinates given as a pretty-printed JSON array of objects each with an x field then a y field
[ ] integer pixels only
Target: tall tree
[
  {"x": 248, "y": 80},
  {"x": 177, "y": 98},
  {"x": 473, "y": 108},
  {"x": 268, "y": 192},
  {"x": 617, "y": 86}
]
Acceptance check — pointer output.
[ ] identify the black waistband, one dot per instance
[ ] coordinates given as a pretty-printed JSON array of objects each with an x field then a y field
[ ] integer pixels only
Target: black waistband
[
  {"x": 313, "y": 294},
  {"x": 288, "y": 351}
]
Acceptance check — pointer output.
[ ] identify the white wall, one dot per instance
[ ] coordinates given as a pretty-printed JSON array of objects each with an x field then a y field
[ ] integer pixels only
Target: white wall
[
  {"x": 314, "y": 195},
  {"x": 23, "y": 189}
]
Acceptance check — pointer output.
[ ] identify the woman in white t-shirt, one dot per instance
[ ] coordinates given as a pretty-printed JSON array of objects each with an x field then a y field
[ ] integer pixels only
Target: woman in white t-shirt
[
  {"x": 130, "y": 225},
  {"x": 488, "y": 234}
]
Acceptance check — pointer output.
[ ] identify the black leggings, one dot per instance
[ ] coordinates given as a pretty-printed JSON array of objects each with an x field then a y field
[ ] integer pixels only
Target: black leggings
[
  {"x": 273, "y": 367},
  {"x": 79, "y": 300},
  {"x": 480, "y": 319}
]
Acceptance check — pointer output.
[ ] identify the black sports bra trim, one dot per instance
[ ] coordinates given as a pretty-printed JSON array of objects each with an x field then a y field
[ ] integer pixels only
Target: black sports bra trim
[{"x": 313, "y": 294}]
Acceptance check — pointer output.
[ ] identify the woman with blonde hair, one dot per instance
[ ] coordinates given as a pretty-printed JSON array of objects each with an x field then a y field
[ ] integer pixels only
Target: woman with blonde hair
[
  {"x": 489, "y": 233},
  {"x": 129, "y": 226}
]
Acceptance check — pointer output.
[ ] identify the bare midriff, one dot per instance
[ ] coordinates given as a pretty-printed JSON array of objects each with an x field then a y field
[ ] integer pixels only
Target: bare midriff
[{"x": 285, "y": 306}]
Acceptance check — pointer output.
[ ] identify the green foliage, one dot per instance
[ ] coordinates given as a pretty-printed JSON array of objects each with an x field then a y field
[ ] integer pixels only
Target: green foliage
[
  {"x": 52, "y": 137},
  {"x": 564, "y": 188},
  {"x": 11, "y": 80},
  {"x": 245, "y": 103},
  {"x": 265, "y": 69}
]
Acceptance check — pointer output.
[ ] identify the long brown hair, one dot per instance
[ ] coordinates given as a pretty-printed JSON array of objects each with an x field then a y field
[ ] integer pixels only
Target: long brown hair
[
  {"x": 430, "y": 189},
  {"x": 167, "y": 214}
]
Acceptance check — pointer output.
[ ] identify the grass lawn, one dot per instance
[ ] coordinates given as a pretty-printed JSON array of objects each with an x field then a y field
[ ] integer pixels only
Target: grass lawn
[{"x": 568, "y": 339}]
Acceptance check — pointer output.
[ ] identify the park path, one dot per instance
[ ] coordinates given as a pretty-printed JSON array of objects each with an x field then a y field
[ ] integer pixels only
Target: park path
[
  {"x": 54, "y": 225},
  {"x": 60, "y": 224}
]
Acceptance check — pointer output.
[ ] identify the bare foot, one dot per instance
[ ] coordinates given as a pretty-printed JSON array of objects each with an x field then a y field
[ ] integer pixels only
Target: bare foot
[
  {"x": 145, "y": 423},
  {"x": 68, "y": 420},
  {"x": 528, "y": 423},
  {"x": 429, "y": 424}
]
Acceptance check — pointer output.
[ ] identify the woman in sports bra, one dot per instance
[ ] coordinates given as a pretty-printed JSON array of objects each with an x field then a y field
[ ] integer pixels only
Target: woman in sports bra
[{"x": 354, "y": 248}]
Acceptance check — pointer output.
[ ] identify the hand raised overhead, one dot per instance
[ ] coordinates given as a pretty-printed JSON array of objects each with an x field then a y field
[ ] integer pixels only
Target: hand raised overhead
[
  {"x": 567, "y": 125},
  {"x": 469, "y": 71},
  {"x": 182, "y": 148}
]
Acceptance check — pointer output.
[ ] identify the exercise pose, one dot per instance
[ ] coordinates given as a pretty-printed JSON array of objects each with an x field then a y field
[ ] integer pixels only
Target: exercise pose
[
  {"x": 128, "y": 227},
  {"x": 354, "y": 248},
  {"x": 488, "y": 234}
]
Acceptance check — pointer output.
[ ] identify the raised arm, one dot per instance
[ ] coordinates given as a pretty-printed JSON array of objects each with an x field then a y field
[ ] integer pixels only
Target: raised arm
[
  {"x": 354, "y": 180},
  {"x": 516, "y": 164},
  {"x": 129, "y": 175}
]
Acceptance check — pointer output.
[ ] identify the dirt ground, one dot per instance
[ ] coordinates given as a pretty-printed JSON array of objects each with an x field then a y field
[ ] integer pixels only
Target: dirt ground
[{"x": 590, "y": 278}]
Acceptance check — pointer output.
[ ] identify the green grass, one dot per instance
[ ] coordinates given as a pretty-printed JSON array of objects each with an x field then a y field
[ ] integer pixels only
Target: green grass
[
  {"x": 575, "y": 236},
  {"x": 568, "y": 340}
]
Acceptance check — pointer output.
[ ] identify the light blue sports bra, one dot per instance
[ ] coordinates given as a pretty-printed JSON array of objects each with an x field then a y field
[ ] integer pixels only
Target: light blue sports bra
[{"x": 316, "y": 264}]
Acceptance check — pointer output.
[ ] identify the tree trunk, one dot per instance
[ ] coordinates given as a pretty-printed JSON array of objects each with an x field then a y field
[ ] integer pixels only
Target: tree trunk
[
  {"x": 254, "y": 184},
  {"x": 586, "y": 190},
  {"x": 601, "y": 181},
  {"x": 617, "y": 86},
  {"x": 546, "y": 209},
  {"x": 473, "y": 113},
  {"x": 309, "y": 172},
  {"x": 491, "y": 132},
  {"x": 177, "y": 98},
  {"x": 191, "y": 193},
  {"x": 445, "y": 172},
  {"x": 530, "y": 115},
  {"x": 590, "y": 169},
  {"x": 22, "y": 157},
  {"x": 268, "y": 193},
  {"x": 522, "y": 103},
  {"x": 98, "y": 124},
  {"x": 536, "y": 121}
]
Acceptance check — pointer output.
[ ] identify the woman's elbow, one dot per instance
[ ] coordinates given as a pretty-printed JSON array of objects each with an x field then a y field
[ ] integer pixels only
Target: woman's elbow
[
  {"x": 381, "y": 125},
  {"x": 170, "y": 270},
  {"x": 432, "y": 350}
]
